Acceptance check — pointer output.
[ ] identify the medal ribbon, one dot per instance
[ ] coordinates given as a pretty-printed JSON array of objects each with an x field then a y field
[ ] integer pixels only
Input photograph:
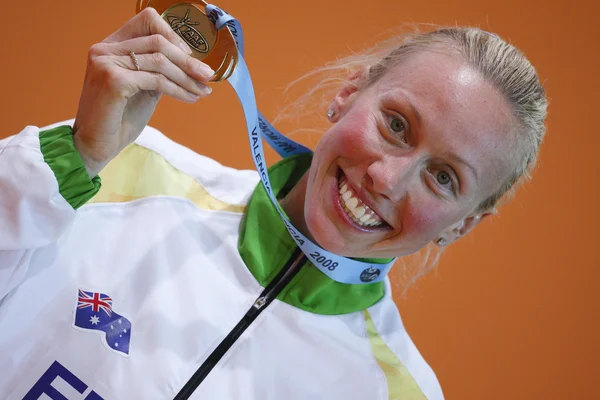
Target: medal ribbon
[{"x": 338, "y": 268}]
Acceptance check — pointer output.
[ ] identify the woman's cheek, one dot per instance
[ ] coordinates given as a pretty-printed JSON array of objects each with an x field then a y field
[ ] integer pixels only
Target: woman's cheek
[
  {"x": 354, "y": 134},
  {"x": 424, "y": 221}
]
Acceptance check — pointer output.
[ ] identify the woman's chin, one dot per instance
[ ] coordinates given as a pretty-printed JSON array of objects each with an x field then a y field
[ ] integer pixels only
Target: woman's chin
[{"x": 329, "y": 238}]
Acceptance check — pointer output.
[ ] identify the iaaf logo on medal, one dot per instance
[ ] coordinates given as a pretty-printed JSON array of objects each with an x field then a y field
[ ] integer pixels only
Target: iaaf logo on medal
[{"x": 184, "y": 27}]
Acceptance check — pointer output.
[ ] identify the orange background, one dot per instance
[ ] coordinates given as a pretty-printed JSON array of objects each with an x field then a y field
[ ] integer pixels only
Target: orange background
[{"x": 512, "y": 311}]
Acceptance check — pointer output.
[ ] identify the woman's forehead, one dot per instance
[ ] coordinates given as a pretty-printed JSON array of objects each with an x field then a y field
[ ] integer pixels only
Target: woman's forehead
[{"x": 439, "y": 78}]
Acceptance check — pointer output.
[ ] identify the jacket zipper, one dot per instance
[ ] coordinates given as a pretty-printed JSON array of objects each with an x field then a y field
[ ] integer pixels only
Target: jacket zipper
[{"x": 287, "y": 273}]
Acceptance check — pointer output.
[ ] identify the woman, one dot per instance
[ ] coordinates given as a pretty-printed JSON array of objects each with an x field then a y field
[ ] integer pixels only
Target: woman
[{"x": 178, "y": 279}]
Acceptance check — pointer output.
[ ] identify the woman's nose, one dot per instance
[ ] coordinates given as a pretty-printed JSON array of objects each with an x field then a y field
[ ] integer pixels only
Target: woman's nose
[{"x": 390, "y": 177}]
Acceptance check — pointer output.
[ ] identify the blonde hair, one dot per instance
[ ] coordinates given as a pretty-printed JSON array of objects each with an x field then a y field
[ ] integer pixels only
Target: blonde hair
[{"x": 499, "y": 62}]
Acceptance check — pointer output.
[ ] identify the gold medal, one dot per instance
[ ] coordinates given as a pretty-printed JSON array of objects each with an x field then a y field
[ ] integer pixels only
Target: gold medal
[{"x": 214, "y": 47}]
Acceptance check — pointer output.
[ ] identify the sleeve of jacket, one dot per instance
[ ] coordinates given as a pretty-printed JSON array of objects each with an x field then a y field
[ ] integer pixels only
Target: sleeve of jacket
[{"x": 42, "y": 183}]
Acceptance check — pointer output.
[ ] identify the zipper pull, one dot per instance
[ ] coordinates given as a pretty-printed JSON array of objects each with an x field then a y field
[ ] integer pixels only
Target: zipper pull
[{"x": 260, "y": 302}]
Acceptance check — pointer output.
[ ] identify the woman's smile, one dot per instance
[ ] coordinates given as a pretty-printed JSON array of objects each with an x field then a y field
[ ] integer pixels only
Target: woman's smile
[{"x": 354, "y": 209}]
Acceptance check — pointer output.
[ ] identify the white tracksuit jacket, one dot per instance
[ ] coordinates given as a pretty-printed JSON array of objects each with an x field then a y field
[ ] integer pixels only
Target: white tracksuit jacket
[{"x": 167, "y": 280}]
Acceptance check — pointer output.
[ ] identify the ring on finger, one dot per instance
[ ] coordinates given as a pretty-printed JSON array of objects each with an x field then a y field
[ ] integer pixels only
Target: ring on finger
[{"x": 135, "y": 60}]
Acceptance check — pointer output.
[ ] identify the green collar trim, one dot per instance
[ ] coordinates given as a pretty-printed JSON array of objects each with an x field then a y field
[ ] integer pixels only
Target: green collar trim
[{"x": 265, "y": 245}]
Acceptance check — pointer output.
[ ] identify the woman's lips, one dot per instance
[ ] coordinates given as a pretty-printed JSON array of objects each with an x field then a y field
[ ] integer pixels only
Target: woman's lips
[{"x": 353, "y": 209}]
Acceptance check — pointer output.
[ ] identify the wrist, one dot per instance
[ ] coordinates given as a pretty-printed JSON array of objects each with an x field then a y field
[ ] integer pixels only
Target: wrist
[{"x": 93, "y": 166}]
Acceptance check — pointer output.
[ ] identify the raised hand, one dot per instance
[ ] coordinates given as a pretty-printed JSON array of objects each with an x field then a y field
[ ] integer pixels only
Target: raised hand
[{"x": 127, "y": 73}]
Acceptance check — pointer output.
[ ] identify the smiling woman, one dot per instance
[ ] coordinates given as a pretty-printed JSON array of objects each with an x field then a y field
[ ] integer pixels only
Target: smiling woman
[
  {"x": 431, "y": 131},
  {"x": 215, "y": 299}
]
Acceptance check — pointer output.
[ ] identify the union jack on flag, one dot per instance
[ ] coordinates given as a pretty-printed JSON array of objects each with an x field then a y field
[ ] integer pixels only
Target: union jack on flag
[
  {"x": 98, "y": 301},
  {"x": 94, "y": 312}
]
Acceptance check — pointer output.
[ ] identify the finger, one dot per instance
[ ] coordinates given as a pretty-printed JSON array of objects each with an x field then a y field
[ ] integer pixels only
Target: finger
[
  {"x": 147, "y": 22},
  {"x": 159, "y": 44},
  {"x": 153, "y": 81},
  {"x": 159, "y": 63}
]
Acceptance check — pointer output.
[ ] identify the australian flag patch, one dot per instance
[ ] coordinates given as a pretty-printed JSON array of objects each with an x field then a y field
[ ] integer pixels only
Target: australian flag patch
[{"x": 94, "y": 312}]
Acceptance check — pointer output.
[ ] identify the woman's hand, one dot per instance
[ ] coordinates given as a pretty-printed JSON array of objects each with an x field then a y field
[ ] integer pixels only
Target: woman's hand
[{"x": 117, "y": 101}]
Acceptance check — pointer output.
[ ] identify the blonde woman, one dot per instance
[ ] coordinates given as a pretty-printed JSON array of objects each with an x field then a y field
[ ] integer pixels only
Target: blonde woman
[{"x": 174, "y": 277}]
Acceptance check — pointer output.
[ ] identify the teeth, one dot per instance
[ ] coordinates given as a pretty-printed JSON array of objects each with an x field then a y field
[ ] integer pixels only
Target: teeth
[
  {"x": 355, "y": 208},
  {"x": 358, "y": 212}
]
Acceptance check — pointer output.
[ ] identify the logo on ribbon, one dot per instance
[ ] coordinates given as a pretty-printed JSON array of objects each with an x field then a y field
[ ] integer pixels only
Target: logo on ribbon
[{"x": 370, "y": 274}]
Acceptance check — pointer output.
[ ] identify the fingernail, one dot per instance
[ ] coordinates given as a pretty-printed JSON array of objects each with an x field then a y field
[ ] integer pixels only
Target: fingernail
[
  {"x": 207, "y": 90},
  {"x": 185, "y": 47},
  {"x": 205, "y": 70}
]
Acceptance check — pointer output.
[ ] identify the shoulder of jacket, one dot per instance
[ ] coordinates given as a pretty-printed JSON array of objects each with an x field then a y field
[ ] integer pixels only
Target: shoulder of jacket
[
  {"x": 384, "y": 322},
  {"x": 227, "y": 184},
  {"x": 224, "y": 184}
]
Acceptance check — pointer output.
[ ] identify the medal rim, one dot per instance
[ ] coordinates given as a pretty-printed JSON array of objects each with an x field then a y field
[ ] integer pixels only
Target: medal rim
[{"x": 223, "y": 56}]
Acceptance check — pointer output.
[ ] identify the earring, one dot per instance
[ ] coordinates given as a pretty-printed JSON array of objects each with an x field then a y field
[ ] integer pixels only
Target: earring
[
  {"x": 330, "y": 113},
  {"x": 441, "y": 242}
]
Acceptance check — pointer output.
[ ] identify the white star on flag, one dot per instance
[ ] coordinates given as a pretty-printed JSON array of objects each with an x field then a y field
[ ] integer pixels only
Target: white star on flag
[{"x": 94, "y": 320}]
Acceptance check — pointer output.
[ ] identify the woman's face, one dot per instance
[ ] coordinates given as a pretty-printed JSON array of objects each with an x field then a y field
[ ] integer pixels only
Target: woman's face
[{"x": 414, "y": 154}]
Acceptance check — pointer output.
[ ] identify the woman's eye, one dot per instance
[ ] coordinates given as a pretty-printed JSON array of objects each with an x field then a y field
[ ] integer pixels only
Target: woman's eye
[
  {"x": 397, "y": 128},
  {"x": 443, "y": 178},
  {"x": 397, "y": 125}
]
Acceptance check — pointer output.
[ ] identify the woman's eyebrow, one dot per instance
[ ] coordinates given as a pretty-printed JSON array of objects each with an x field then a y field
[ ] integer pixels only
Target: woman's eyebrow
[
  {"x": 402, "y": 98},
  {"x": 459, "y": 159},
  {"x": 415, "y": 112}
]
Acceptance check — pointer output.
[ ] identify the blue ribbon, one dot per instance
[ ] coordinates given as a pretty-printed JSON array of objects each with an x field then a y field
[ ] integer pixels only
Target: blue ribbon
[{"x": 338, "y": 268}]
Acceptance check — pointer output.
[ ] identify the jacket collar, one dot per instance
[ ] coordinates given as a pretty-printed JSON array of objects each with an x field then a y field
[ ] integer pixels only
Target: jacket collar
[{"x": 265, "y": 245}]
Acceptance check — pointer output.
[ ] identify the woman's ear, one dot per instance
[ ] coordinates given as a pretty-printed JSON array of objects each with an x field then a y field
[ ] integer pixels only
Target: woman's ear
[
  {"x": 462, "y": 227},
  {"x": 345, "y": 96}
]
